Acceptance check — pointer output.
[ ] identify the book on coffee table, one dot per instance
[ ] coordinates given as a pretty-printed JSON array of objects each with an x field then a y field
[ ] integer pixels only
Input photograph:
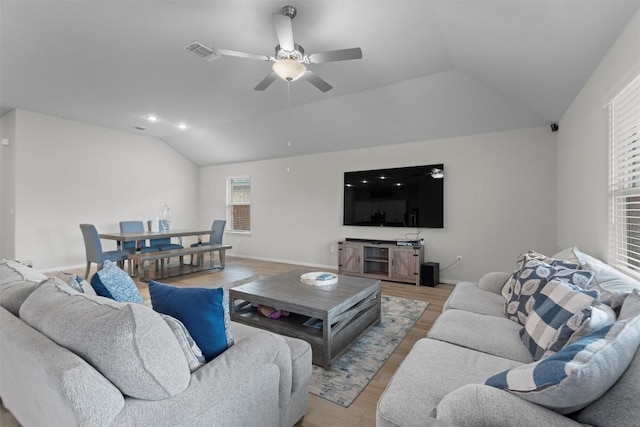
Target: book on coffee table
[{"x": 314, "y": 323}]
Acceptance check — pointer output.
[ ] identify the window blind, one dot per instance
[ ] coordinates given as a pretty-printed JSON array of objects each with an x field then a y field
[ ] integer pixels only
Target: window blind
[{"x": 624, "y": 179}]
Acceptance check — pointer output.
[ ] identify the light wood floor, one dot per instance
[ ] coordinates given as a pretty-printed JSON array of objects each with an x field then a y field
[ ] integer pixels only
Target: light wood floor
[{"x": 321, "y": 412}]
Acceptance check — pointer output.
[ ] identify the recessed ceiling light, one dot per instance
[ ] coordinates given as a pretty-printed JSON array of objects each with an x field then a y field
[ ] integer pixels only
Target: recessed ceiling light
[
  {"x": 182, "y": 126},
  {"x": 152, "y": 118}
]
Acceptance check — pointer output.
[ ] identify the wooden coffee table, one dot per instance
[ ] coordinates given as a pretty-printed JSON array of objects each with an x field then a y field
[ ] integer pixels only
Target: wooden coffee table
[{"x": 347, "y": 309}]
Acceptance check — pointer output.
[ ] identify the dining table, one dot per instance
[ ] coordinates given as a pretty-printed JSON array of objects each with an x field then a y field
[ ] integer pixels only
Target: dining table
[
  {"x": 139, "y": 237},
  {"x": 144, "y": 235}
]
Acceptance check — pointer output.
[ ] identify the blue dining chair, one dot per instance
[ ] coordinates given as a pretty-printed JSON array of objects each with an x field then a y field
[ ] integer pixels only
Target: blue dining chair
[
  {"x": 135, "y": 227},
  {"x": 93, "y": 249},
  {"x": 215, "y": 238},
  {"x": 133, "y": 247},
  {"x": 164, "y": 244}
]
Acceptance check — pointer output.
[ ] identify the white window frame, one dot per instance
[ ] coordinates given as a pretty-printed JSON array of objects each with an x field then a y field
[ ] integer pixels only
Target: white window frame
[
  {"x": 230, "y": 222},
  {"x": 624, "y": 179}
]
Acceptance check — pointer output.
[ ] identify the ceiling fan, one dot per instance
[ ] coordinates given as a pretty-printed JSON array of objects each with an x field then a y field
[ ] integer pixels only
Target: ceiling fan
[{"x": 290, "y": 62}]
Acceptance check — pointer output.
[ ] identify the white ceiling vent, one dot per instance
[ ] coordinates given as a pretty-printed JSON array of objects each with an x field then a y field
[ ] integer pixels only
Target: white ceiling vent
[{"x": 202, "y": 51}]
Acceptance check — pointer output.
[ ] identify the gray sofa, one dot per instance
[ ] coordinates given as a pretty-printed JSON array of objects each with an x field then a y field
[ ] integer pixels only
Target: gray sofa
[
  {"x": 441, "y": 381},
  {"x": 261, "y": 380}
]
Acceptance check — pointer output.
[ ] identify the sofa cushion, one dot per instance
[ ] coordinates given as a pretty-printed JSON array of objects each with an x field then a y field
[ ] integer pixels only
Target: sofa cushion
[
  {"x": 13, "y": 294},
  {"x": 203, "y": 311},
  {"x": 612, "y": 284},
  {"x": 630, "y": 306},
  {"x": 577, "y": 375},
  {"x": 547, "y": 327},
  {"x": 569, "y": 255},
  {"x": 129, "y": 344},
  {"x": 431, "y": 370},
  {"x": 113, "y": 282},
  {"x": 468, "y": 297},
  {"x": 532, "y": 278},
  {"x": 511, "y": 282},
  {"x": 191, "y": 351},
  {"x": 17, "y": 281},
  {"x": 477, "y": 405},
  {"x": 13, "y": 271},
  {"x": 489, "y": 334}
]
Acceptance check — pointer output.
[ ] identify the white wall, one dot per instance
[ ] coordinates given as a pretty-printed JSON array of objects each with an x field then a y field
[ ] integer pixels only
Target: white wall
[
  {"x": 7, "y": 186},
  {"x": 583, "y": 148},
  {"x": 499, "y": 201},
  {"x": 68, "y": 173}
]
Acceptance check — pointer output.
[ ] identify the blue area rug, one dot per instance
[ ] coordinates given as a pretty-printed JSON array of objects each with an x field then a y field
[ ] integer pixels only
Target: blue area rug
[{"x": 351, "y": 373}]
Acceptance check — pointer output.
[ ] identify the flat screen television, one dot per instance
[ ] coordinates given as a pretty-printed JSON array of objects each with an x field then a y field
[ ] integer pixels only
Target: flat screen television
[{"x": 400, "y": 197}]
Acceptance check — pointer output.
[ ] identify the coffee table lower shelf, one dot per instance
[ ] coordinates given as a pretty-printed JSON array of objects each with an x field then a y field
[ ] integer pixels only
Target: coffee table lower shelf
[{"x": 325, "y": 347}]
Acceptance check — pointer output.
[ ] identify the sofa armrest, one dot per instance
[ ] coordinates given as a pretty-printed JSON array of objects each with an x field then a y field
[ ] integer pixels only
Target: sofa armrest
[
  {"x": 256, "y": 371},
  {"x": 477, "y": 404},
  {"x": 252, "y": 354},
  {"x": 493, "y": 282}
]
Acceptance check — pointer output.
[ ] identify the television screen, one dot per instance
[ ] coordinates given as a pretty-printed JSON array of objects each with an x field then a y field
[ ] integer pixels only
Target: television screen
[{"x": 400, "y": 197}]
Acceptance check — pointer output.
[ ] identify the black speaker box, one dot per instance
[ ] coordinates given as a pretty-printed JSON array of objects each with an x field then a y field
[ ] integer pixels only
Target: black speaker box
[{"x": 430, "y": 274}]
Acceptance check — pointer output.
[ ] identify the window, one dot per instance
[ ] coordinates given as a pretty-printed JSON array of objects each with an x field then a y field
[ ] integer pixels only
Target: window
[
  {"x": 624, "y": 179},
  {"x": 239, "y": 204}
]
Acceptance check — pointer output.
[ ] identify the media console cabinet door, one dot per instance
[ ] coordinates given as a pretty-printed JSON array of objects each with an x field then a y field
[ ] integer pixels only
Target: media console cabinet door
[
  {"x": 405, "y": 264},
  {"x": 350, "y": 258}
]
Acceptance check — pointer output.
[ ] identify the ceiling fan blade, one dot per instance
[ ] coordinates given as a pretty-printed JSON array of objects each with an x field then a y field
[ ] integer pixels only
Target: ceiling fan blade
[
  {"x": 336, "y": 55},
  {"x": 227, "y": 52},
  {"x": 266, "y": 81},
  {"x": 313, "y": 78},
  {"x": 284, "y": 31}
]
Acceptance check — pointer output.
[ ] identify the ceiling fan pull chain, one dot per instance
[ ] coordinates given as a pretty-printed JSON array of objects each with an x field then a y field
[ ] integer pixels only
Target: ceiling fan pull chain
[{"x": 289, "y": 114}]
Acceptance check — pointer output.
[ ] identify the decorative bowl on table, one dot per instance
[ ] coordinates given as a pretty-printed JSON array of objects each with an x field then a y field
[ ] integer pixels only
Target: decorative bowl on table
[{"x": 319, "y": 278}]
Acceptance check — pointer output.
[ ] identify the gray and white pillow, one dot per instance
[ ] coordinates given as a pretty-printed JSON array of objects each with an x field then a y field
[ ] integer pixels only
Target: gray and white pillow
[
  {"x": 76, "y": 282},
  {"x": 534, "y": 275},
  {"x": 547, "y": 327},
  {"x": 508, "y": 288},
  {"x": 582, "y": 372},
  {"x": 189, "y": 347}
]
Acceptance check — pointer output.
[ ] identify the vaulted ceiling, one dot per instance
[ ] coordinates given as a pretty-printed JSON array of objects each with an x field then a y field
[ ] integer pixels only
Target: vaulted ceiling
[{"x": 430, "y": 69}]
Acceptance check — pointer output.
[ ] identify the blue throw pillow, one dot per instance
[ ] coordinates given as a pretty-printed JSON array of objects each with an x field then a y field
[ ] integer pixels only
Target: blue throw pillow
[
  {"x": 578, "y": 374},
  {"x": 203, "y": 311},
  {"x": 113, "y": 282}
]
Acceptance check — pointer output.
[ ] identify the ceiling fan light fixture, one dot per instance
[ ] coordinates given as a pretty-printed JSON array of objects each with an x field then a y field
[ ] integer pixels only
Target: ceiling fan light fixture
[{"x": 289, "y": 69}]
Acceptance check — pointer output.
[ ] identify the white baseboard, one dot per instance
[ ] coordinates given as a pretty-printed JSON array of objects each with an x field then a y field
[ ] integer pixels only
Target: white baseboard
[{"x": 286, "y": 261}]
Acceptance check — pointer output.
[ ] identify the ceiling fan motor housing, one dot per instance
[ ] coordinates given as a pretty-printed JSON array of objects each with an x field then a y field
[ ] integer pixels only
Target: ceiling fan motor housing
[
  {"x": 289, "y": 11},
  {"x": 297, "y": 54}
]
